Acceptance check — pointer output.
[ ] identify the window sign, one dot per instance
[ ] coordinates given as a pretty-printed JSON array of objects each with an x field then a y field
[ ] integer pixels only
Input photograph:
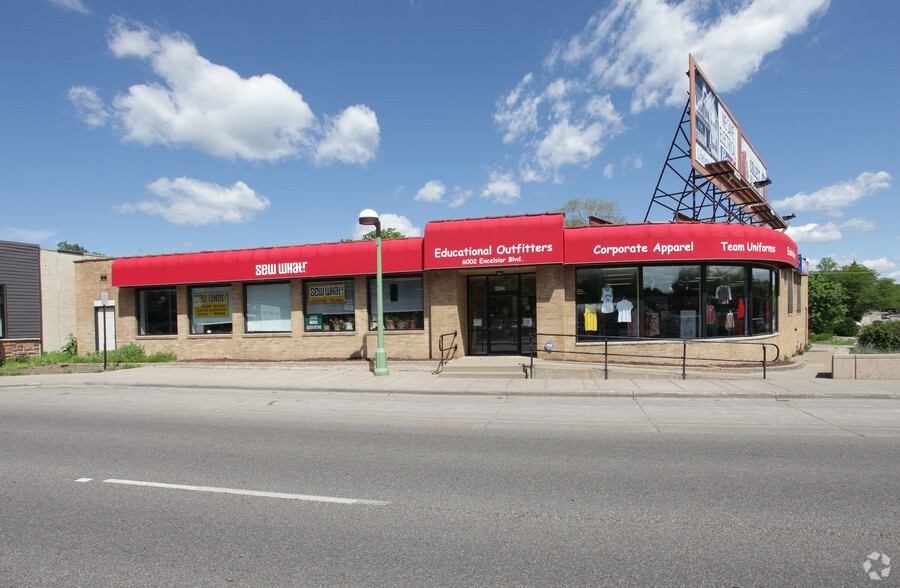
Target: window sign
[
  {"x": 326, "y": 294},
  {"x": 333, "y": 301},
  {"x": 314, "y": 322},
  {"x": 211, "y": 309}
]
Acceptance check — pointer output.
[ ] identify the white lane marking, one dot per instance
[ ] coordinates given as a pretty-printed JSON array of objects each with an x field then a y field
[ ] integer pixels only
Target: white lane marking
[
  {"x": 84, "y": 479},
  {"x": 259, "y": 493}
]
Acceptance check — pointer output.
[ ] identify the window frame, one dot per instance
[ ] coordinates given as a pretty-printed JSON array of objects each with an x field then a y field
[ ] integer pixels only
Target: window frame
[
  {"x": 246, "y": 309},
  {"x": 749, "y": 271},
  {"x": 346, "y": 315},
  {"x": 173, "y": 307},
  {"x": 406, "y": 317},
  {"x": 216, "y": 331}
]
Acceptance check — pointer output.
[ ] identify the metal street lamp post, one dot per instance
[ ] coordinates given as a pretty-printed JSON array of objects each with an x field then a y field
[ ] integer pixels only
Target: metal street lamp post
[{"x": 370, "y": 217}]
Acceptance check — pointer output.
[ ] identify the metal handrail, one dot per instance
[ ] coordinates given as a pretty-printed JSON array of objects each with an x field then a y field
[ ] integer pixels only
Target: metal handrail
[
  {"x": 684, "y": 357},
  {"x": 443, "y": 349}
]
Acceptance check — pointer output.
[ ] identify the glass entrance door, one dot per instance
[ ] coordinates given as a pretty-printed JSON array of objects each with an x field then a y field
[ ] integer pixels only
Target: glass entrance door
[
  {"x": 501, "y": 314},
  {"x": 503, "y": 320}
]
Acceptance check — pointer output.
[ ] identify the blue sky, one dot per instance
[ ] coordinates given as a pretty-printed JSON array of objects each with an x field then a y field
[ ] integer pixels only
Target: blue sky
[{"x": 171, "y": 126}]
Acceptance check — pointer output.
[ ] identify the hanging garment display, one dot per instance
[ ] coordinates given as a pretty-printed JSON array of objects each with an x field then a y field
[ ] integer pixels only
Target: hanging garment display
[
  {"x": 590, "y": 317},
  {"x": 710, "y": 314},
  {"x": 624, "y": 307},
  {"x": 741, "y": 309},
  {"x": 723, "y": 294},
  {"x": 651, "y": 324},
  {"x": 606, "y": 300},
  {"x": 729, "y": 320}
]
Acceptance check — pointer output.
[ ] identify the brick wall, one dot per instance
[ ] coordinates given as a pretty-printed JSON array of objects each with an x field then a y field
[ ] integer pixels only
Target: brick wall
[
  {"x": 18, "y": 348},
  {"x": 445, "y": 303},
  {"x": 294, "y": 346},
  {"x": 92, "y": 278}
]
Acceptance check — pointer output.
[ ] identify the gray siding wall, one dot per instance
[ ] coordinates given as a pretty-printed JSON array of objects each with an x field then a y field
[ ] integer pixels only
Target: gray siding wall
[{"x": 21, "y": 280}]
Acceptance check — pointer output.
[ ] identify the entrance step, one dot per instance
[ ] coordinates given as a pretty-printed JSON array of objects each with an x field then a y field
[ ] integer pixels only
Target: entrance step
[{"x": 490, "y": 366}]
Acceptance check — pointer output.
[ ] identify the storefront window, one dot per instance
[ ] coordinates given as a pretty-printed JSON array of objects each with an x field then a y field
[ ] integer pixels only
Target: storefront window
[
  {"x": 329, "y": 306},
  {"x": 478, "y": 315},
  {"x": 725, "y": 313},
  {"x": 157, "y": 312},
  {"x": 671, "y": 301},
  {"x": 606, "y": 303},
  {"x": 790, "y": 291},
  {"x": 211, "y": 309},
  {"x": 528, "y": 311},
  {"x": 268, "y": 308},
  {"x": 762, "y": 318},
  {"x": 403, "y": 303}
]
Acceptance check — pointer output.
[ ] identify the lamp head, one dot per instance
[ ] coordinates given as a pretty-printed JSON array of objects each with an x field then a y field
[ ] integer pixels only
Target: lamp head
[
  {"x": 762, "y": 183},
  {"x": 369, "y": 217}
]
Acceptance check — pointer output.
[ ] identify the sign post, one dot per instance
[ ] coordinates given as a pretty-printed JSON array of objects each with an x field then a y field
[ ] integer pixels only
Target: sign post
[{"x": 104, "y": 300}]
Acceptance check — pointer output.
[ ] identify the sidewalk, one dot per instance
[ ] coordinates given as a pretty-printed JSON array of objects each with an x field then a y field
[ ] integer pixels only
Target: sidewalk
[{"x": 804, "y": 379}]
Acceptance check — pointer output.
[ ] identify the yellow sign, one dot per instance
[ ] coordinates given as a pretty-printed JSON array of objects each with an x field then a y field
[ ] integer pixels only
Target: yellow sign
[
  {"x": 211, "y": 304},
  {"x": 326, "y": 294}
]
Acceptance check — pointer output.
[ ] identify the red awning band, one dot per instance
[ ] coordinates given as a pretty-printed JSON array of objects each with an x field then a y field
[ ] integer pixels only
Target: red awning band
[{"x": 470, "y": 244}]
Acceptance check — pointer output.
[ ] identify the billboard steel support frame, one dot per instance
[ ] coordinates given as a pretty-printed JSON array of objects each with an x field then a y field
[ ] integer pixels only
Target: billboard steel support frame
[{"x": 693, "y": 198}]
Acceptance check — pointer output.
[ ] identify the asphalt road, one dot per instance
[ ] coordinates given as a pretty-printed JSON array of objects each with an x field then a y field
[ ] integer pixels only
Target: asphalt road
[{"x": 375, "y": 504}]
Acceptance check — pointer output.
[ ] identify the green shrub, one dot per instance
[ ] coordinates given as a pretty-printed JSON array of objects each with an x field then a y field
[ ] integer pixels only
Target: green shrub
[
  {"x": 846, "y": 327},
  {"x": 71, "y": 346},
  {"x": 881, "y": 336}
]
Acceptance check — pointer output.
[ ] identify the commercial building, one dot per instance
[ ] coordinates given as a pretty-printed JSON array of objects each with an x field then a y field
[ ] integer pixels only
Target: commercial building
[
  {"x": 20, "y": 300},
  {"x": 494, "y": 282},
  {"x": 37, "y": 298}
]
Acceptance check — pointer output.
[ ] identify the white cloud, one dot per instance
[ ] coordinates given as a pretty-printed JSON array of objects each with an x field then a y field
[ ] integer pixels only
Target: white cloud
[
  {"x": 529, "y": 174},
  {"x": 883, "y": 266},
  {"x": 517, "y": 118},
  {"x": 460, "y": 197},
  {"x": 624, "y": 45},
  {"x": 832, "y": 199},
  {"x": 638, "y": 48},
  {"x": 609, "y": 171},
  {"x": 432, "y": 191},
  {"x": 567, "y": 144},
  {"x": 89, "y": 106},
  {"x": 351, "y": 137},
  {"x": 26, "y": 235},
  {"x": 186, "y": 201},
  {"x": 501, "y": 188},
  {"x": 814, "y": 233},
  {"x": 210, "y": 107},
  {"x": 73, "y": 5},
  {"x": 390, "y": 221},
  {"x": 859, "y": 225}
]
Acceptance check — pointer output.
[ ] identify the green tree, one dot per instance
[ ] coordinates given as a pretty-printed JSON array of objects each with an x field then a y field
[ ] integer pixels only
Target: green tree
[
  {"x": 826, "y": 304},
  {"x": 66, "y": 246},
  {"x": 387, "y": 233},
  {"x": 578, "y": 210},
  {"x": 863, "y": 289},
  {"x": 827, "y": 265}
]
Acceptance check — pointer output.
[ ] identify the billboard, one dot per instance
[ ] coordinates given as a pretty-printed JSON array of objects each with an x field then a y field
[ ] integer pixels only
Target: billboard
[{"x": 716, "y": 138}]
